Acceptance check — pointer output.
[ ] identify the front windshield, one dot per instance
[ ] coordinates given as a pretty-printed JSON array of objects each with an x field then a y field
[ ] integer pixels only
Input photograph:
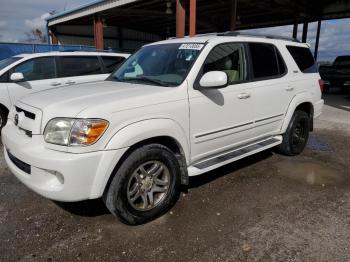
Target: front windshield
[
  {"x": 8, "y": 61},
  {"x": 163, "y": 64}
]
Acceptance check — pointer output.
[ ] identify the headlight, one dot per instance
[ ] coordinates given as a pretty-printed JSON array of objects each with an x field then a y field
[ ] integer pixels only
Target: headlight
[{"x": 74, "y": 132}]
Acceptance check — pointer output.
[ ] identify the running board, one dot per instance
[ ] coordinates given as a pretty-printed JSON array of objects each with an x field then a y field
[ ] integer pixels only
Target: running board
[{"x": 233, "y": 155}]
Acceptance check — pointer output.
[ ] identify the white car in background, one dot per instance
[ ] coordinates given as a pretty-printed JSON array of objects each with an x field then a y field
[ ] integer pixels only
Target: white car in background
[{"x": 23, "y": 74}]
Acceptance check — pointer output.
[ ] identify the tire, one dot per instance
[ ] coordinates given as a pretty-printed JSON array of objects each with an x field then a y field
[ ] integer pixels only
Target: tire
[
  {"x": 296, "y": 136},
  {"x": 121, "y": 199},
  {"x": 3, "y": 118}
]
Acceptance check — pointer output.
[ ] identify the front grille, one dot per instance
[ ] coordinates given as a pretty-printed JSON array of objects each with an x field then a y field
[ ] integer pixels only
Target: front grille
[
  {"x": 20, "y": 164},
  {"x": 26, "y": 113}
]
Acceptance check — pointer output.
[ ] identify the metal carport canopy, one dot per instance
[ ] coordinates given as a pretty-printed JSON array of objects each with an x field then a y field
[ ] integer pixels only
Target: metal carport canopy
[{"x": 212, "y": 16}]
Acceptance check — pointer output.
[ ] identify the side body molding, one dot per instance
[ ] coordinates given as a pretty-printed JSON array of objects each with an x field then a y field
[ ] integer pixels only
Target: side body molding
[{"x": 296, "y": 101}]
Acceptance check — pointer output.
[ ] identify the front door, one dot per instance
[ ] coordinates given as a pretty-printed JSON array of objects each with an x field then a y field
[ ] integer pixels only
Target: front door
[
  {"x": 221, "y": 119},
  {"x": 39, "y": 74}
]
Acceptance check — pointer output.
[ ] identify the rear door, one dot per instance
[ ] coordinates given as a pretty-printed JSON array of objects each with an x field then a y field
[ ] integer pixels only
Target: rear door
[
  {"x": 39, "y": 74},
  {"x": 80, "y": 69},
  {"x": 272, "y": 91}
]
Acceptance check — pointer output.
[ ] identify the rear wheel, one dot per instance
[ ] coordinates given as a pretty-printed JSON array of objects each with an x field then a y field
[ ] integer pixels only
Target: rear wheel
[
  {"x": 146, "y": 185},
  {"x": 296, "y": 135}
]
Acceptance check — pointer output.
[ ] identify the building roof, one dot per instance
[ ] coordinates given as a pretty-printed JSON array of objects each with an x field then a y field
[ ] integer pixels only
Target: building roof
[{"x": 86, "y": 9}]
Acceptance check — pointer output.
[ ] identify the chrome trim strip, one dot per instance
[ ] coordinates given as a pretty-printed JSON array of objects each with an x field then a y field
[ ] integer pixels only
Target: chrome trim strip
[
  {"x": 267, "y": 118},
  {"x": 237, "y": 126},
  {"x": 222, "y": 130}
]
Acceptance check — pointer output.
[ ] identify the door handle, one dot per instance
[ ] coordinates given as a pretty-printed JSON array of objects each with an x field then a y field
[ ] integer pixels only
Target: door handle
[
  {"x": 289, "y": 89},
  {"x": 243, "y": 96},
  {"x": 55, "y": 84},
  {"x": 69, "y": 82}
]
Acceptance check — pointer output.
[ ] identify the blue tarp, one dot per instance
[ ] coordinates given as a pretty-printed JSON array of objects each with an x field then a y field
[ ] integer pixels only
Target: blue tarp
[{"x": 11, "y": 49}]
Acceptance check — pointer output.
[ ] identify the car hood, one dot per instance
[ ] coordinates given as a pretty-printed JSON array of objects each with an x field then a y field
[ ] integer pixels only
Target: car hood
[{"x": 87, "y": 100}]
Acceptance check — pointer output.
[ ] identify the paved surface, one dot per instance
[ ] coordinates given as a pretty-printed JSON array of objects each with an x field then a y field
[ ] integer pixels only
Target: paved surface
[{"x": 264, "y": 208}]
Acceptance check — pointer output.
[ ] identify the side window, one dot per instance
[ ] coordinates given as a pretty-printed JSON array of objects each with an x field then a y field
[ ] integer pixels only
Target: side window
[
  {"x": 228, "y": 58},
  {"x": 281, "y": 64},
  {"x": 37, "y": 69},
  {"x": 303, "y": 58},
  {"x": 79, "y": 66},
  {"x": 4, "y": 78},
  {"x": 264, "y": 61},
  {"x": 112, "y": 62}
]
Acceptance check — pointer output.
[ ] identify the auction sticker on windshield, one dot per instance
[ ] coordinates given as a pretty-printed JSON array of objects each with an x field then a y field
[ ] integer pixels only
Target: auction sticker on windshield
[{"x": 192, "y": 46}]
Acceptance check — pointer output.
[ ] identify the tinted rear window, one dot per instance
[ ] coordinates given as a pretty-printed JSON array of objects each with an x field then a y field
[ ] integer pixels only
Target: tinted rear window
[
  {"x": 266, "y": 61},
  {"x": 303, "y": 58},
  {"x": 112, "y": 62},
  {"x": 79, "y": 65}
]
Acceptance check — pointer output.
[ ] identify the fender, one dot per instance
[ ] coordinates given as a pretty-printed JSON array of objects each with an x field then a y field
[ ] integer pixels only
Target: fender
[
  {"x": 149, "y": 128},
  {"x": 129, "y": 135},
  {"x": 296, "y": 101}
]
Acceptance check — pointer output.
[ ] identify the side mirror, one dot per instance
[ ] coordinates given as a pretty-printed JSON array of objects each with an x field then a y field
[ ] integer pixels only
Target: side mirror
[
  {"x": 16, "y": 77},
  {"x": 214, "y": 79}
]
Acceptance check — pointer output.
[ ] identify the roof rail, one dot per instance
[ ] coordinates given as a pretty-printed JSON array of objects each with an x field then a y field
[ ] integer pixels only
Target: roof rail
[
  {"x": 233, "y": 33},
  {"x": 198, "y": 35}
]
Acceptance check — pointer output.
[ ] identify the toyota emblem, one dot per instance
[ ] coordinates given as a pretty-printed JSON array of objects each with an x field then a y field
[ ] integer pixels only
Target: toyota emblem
[{"x": 16, "y": 119}]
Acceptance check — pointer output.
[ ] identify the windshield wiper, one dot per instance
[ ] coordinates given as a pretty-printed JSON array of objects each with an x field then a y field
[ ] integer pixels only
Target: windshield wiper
[{"x": 146, "y": 79}]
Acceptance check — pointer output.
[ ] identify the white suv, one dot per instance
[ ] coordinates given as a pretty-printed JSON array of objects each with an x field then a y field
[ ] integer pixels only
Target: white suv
[
  {"x": 175, "y": 109},
  {"x": 23, "y": 74}
]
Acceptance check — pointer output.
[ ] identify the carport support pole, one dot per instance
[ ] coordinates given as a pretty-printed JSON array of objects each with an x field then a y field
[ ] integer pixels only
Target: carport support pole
[
  {"x": 193, "y": 17},
  {"x": 180, "y": 18},
  {"x": 295, "y": 29},
  {"x": 54, "y": 39},
  {"x": 98, "y": 32},
  {"x": 317, "y": 39},
  {"x": 233, "y": 20},
  {"x": 305, "y": 29}
]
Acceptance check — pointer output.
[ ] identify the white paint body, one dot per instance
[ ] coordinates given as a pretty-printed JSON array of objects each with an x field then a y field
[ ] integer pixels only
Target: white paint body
[
  {"x": 12, "y": 91},
  {"x": 137, "y": 112}
]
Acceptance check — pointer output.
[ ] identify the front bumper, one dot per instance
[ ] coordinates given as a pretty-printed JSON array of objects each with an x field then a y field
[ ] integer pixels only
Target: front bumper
[{"x": 57, "y": 175}]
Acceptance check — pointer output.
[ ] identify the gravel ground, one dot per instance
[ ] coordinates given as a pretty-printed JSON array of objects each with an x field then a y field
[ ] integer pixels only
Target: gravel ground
[{"x": 264, "y": 208}]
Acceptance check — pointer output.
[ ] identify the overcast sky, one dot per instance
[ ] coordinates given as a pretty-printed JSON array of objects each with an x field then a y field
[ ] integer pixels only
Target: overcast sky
[{"x": 17, "y": 17}]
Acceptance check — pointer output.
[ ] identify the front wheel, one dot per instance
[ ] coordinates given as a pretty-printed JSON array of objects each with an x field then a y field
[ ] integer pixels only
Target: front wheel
[
  {"x": 3, "y": 118},
  {"x": 145, "y": 186},
  {"x": 296, "y": 135}
]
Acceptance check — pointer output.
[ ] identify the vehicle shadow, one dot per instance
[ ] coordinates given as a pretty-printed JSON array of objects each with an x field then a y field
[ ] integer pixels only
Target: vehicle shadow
[
  {"x": 96, "y": 207},
  {"x": 86, "y": 208},
  {"x": 228, "y": 169}
]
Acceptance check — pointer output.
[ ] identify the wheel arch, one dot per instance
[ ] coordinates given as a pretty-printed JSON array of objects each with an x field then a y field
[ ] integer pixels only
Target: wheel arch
[
  {"x": 4, "y": 108},
  {"x": 153, "y": 131},
  {"x": 300, "y": 102},
  {"x": 166, "y": 141}
]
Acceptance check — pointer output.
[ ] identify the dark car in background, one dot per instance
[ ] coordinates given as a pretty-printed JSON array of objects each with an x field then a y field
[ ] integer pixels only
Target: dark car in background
[{"x": 336, "y": 74}]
